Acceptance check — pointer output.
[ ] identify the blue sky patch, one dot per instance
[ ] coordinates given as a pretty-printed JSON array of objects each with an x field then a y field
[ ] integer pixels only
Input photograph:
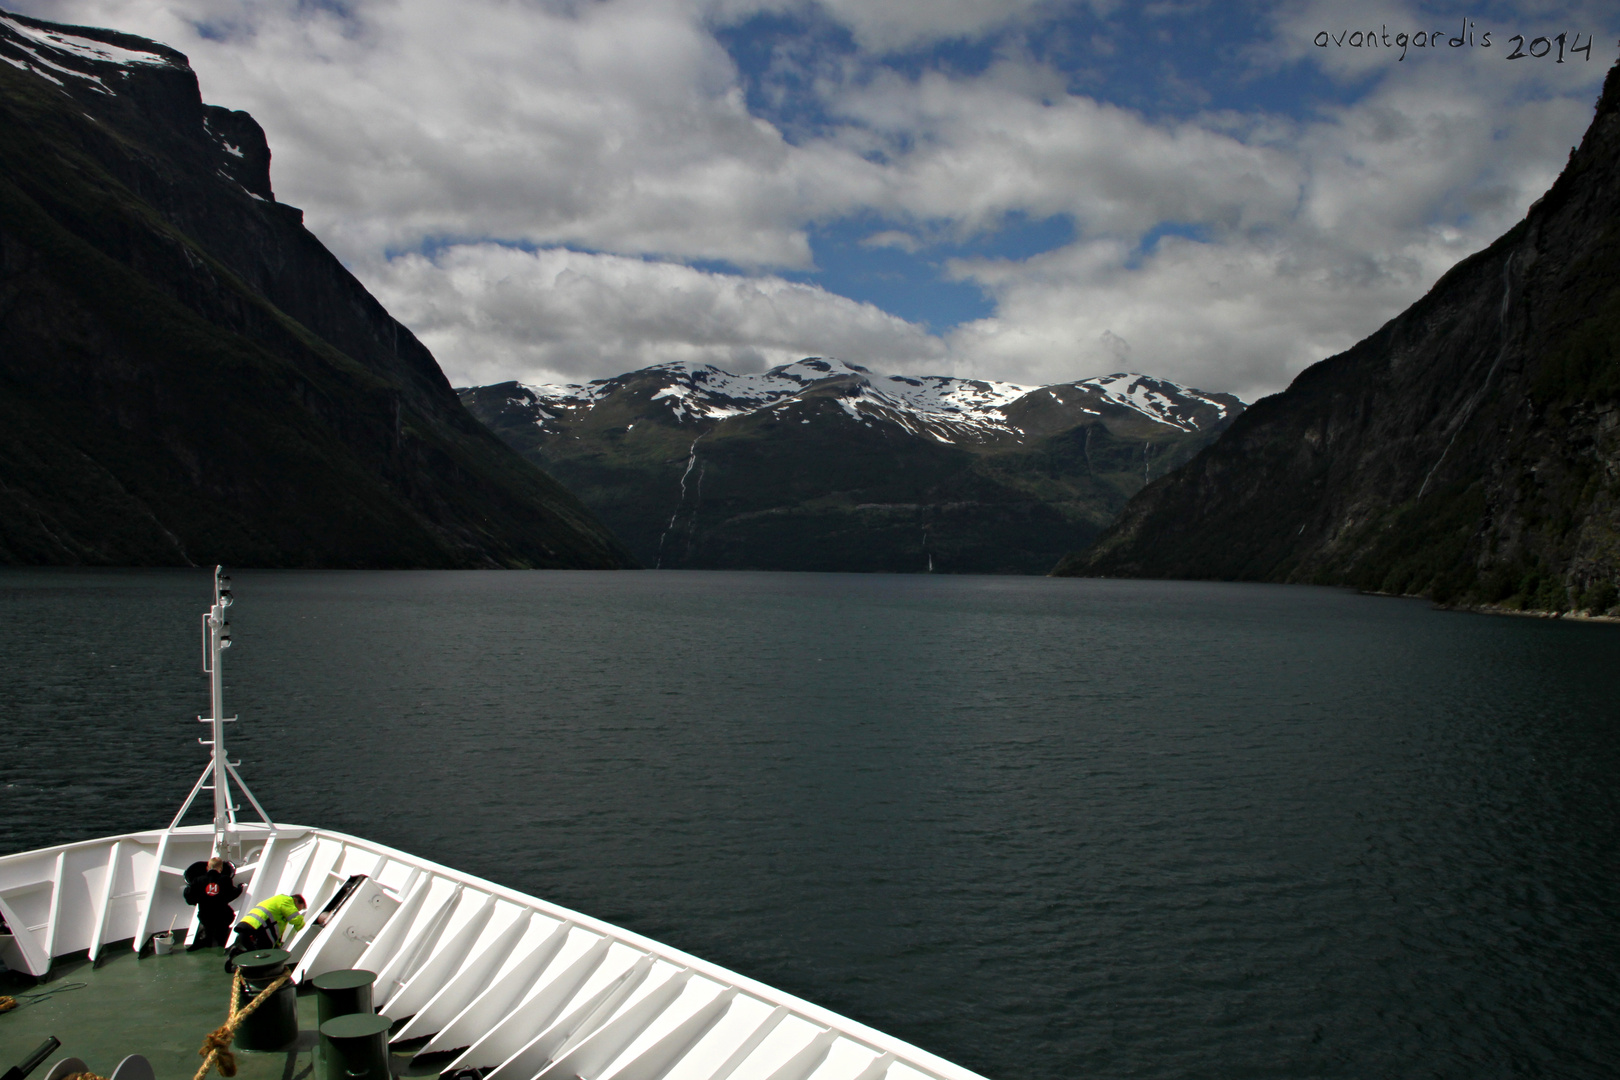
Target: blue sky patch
[{"x": 901, "y": 267}]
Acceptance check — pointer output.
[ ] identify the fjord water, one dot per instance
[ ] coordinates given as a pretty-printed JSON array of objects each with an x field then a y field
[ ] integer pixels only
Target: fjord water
[{"x": 1046, "y": 828}]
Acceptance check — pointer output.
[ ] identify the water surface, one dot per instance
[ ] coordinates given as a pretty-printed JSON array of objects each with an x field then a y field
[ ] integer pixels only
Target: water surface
[{"x": 1045, "y": 828}]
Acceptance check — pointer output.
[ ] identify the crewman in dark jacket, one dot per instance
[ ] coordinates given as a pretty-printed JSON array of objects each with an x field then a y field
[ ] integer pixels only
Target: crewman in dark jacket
[{"x": 212, "y": 886}]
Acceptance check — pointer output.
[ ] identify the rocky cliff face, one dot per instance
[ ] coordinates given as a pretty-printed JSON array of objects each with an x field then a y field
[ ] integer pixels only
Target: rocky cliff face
[
  {"x": 1469, "y": 451},
  {"x": 188, "y": 375},
  {"x": 825, "y": 465}
]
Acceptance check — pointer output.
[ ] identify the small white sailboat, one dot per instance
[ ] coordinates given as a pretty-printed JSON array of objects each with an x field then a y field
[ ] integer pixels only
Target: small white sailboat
[{"x": 474, "y": 975}]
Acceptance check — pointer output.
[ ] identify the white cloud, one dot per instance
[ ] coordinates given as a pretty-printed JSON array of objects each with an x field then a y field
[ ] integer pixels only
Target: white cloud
[
  {"x": 614, "y": 126},
  {"x": 971, "y": 150},
  {"x": 490, "y": 313},
  {"x": 1219, "y": 317},
  {"x": 1314, "y": 233},
  {"x": 893, "y": 238},
  {"x": 622, "y": 127}
]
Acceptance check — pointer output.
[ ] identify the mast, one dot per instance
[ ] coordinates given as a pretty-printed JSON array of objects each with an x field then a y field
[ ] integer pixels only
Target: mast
[
  {"x": 216, "y": 639},
  {"x": 221, "y": 770}
]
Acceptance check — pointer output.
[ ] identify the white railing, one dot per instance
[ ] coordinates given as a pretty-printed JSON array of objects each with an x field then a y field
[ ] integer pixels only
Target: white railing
[{"x": 507, "y": 982}]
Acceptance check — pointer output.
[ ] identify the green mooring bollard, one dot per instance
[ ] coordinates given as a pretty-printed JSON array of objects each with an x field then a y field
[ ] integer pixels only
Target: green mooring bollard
[
  {"x": 339, "y": 993},
  {"x": 274, "y": 1024},
  {"x": 355, "y": 1047}
]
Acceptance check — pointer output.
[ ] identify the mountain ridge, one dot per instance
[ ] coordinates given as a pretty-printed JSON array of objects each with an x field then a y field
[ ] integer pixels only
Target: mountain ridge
[
  {"x": 974, "y": 410},
  {"x": 827, "y": 465}
]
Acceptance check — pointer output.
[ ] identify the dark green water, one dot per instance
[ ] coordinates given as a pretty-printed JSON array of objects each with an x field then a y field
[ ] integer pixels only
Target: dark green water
[{"x": 1046, "y": 828}]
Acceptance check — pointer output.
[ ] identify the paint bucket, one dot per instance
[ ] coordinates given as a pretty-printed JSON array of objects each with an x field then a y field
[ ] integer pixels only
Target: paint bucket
[{"x": 162, "y": 943}]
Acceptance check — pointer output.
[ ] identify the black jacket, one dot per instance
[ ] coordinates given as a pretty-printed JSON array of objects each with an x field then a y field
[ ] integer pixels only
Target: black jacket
[{"x": 205, "y": 886}]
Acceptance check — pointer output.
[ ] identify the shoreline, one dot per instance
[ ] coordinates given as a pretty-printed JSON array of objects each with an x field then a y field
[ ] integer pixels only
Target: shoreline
[{"x": 1497, "y": 609}]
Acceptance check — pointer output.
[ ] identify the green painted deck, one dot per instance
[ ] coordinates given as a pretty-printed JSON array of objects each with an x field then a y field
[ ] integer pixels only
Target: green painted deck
[{"x": 157, "y": 1006}]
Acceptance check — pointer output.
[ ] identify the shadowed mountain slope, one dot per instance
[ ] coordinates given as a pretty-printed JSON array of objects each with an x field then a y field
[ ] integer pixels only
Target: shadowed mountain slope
[
  {"x": 188, "y": 376},
  {"x": 1469, "y": 451}
]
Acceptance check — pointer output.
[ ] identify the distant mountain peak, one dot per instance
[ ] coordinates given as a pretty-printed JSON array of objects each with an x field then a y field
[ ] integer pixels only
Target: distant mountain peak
[
  {"x": 824, "y": 464},
  {"x": 944, "y": 408}
]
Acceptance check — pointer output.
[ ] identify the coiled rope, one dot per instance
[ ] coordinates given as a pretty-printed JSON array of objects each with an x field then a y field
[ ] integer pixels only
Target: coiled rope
[
  {"x": 216, "y": 1047},
  {"x": 7, "y": 1003}
]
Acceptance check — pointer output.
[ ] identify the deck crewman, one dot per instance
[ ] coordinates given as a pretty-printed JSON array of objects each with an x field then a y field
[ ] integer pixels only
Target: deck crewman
[
  {"x": 212, "y": 886},
  {"x": 268, "y": 925}
]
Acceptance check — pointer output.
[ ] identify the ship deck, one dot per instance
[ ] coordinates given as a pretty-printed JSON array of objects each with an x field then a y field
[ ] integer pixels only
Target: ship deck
[
  {"x": 157, "y": 1006},
  {"x": 473, "y": 975}
]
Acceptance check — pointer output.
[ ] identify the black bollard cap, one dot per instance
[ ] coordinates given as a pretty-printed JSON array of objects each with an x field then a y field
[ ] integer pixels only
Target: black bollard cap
[
  {"x": 264, "y": 964},
  {"x": 344, "y": 979}
]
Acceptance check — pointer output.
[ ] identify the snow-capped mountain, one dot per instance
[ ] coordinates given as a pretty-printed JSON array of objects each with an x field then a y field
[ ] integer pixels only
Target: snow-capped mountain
[
  {"x": 941, "y": 407},
  {"x": 826, "y": 465}
]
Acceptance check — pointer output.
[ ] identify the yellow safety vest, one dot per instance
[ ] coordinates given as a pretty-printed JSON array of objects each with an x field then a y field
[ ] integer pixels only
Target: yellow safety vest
[{"x": 281, "y": 910}]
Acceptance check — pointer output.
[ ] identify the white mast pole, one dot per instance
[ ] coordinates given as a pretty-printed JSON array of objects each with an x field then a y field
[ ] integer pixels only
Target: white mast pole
[
  {"x": 219, "y": 639},
  {"x": 220, "y": 770}
]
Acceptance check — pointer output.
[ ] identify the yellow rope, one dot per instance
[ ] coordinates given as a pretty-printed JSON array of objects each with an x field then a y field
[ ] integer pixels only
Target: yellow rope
[
  {"x": 216, "y": 1046},
  {"x": 7, "y": 1003}
]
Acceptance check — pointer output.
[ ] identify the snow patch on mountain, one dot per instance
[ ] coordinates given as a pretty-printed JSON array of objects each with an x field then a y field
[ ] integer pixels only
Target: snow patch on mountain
[
  {"x": 82, "y": 47},
  {"x": 53, "y": 53}
]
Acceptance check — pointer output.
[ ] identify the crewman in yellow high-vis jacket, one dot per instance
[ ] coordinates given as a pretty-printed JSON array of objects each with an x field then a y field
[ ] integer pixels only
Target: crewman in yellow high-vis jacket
[{"x": 268, "y": 925}]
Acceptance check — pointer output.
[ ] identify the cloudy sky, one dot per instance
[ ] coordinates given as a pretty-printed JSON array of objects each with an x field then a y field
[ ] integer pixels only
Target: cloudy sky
[{"x": 1029, "y": 190}]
